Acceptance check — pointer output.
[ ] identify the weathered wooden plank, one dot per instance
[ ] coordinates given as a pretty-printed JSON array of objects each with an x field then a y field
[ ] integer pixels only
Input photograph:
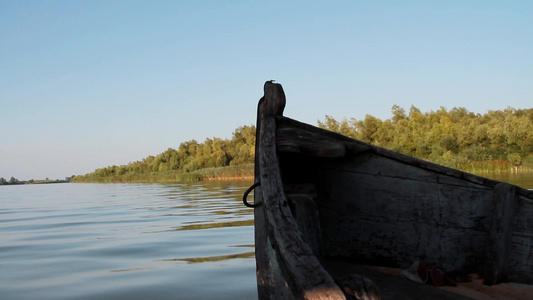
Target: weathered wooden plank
[
  {"x": 298, "y": 267},
  {"x": 465, "y": 207},
  {"x": 372, "y": 163},
  {"x": 393, "y": 193},
  {"x": 396, "y": 221},
  {"x": 521, "y": 243},
  {"x": 305, "y": 212},
  {"x": 290, "y": 139},
  {"x": 269, "y": 286},
  {"x": 273, "y": 102},
  {"x": 357, "y": 287},
  {"x": 301, "y": 188},
  {"x": 500, "y": 234},
  {"x": 419, "y": 163}
]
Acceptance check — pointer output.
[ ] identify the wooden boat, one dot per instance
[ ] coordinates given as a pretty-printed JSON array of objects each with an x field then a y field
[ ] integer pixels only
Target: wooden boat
[{"x": 325, "y": 203}]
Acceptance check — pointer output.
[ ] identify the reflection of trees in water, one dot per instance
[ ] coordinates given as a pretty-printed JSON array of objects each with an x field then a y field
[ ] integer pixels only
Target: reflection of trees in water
[
  {"x": 214, "y": 258},
  {"x": 217, "y": 225},
  {"x": 524, "y": 180},
  {"x": 202, "y": 205}
]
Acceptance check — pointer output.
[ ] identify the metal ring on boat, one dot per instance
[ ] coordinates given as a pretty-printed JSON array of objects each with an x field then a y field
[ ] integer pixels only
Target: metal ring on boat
[{"x": 248, "y": 192}]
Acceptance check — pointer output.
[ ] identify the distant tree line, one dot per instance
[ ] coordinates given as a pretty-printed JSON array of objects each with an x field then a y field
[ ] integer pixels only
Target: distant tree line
[
  {"x": 190, "y": 156},
  {"x": 14, "y": 181},
  {"x": 456, "y": 138}
]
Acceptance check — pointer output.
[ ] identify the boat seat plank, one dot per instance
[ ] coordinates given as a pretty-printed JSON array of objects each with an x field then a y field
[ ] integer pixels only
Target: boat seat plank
[{"x": 392, "y": 287}]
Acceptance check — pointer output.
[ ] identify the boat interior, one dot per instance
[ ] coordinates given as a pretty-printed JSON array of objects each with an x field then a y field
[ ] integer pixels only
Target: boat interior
[{"x": 357, "y": 205}]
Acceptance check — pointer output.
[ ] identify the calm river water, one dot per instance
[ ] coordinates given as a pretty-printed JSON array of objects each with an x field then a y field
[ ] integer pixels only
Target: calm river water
[
  {"x": 524, "y": 180},
  {"x": 126, "y": 241},
  {"x": 131, "y": 241}
]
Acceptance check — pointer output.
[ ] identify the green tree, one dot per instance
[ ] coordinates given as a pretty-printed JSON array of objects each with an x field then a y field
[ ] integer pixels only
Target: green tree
[
  {"x": 369, "y": 128},
  {"x": 241, "y": 149},
  {"x": 515, "y": 159}
]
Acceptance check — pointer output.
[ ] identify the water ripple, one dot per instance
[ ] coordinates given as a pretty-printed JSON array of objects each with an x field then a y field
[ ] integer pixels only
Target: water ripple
[{"x": 131, "y": 241}]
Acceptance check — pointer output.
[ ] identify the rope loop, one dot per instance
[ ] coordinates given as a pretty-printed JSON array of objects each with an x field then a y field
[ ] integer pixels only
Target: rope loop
[{"x": 248, "y": 192}]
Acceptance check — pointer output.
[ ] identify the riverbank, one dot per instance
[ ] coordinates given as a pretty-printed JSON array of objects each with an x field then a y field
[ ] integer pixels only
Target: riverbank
[
  {"x": 242, "y": 172},
  {"x": 32, "y": 181}
]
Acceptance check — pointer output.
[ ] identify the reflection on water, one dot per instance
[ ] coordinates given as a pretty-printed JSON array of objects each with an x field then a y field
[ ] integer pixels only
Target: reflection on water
[
  {"x": 128, "y": 241},
  {"x": 215, "y": 225},
  {"x": 214, "y": 258},
  {"x": 524, "y": 180}
]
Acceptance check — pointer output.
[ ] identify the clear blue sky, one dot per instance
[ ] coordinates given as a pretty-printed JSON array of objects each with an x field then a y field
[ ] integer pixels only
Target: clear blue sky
[{"x": 87, "y": 84}]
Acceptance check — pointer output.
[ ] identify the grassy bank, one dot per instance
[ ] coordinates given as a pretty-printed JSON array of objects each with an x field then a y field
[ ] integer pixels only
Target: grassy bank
[
  {"x": 221, "y": 173},
  {"x": 496, "y": 166},
  {"x": 247, "y": 172},
  {"x": 491, "y": 166}
]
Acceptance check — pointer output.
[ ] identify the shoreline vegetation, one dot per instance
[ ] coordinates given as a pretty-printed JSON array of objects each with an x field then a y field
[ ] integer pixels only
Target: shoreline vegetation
[
  {"x": 243, "y": 172},
  {"x": 14, "y": 181},
  {"x": 214, "y": 159},
  {"x": 495, "y": 142}
]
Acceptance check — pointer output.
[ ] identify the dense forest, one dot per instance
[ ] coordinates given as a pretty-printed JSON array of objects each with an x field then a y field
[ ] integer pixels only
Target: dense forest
[
  {"x": 213, "y": 159},
  {"x": 494, "y": 141}
]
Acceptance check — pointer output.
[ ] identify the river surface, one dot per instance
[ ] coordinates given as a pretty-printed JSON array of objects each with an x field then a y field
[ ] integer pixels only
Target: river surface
[
  {"x": 126, "y": 241},
  {"x": 524, "y": 180},
  {"x": 131, "y": 241}
]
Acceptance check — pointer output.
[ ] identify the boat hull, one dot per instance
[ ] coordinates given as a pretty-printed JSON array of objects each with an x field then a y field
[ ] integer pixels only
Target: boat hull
[{"x": 324, "y": 196}]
